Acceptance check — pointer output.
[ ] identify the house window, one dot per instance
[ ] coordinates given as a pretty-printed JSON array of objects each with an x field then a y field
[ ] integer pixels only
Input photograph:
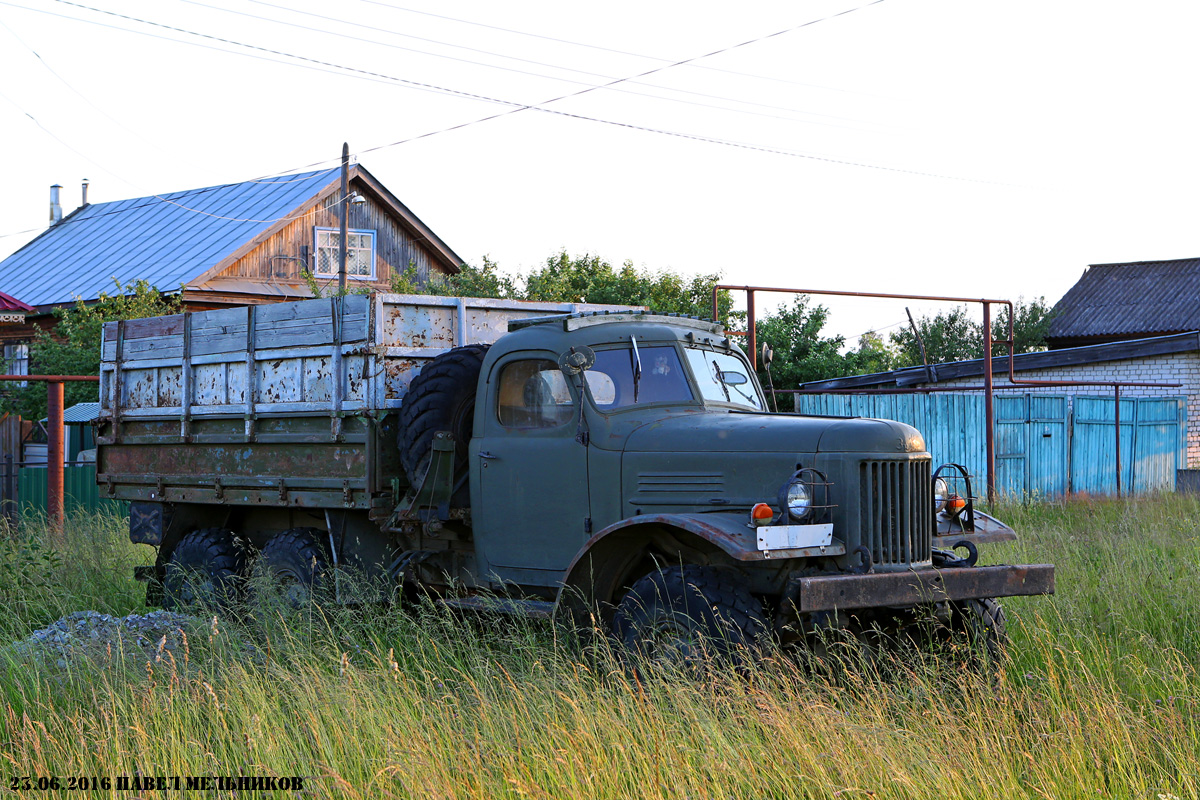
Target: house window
[
  {"x": 360, "y": 253},
  {"x": 16, "y": 361}
]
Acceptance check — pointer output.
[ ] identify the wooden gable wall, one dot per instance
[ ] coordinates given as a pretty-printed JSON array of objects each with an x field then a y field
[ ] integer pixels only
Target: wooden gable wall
[{"x": 278, "y": 259}]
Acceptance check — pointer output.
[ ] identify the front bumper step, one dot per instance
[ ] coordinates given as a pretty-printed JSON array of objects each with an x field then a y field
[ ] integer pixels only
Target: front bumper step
[{"x": 916, "y": 587}]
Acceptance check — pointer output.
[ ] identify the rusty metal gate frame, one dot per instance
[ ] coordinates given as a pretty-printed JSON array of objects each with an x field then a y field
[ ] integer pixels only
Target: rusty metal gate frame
[{"x": 988, "y": 361}]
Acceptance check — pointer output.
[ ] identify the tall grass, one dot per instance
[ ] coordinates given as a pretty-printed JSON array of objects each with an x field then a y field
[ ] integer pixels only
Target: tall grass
[{"x": 1098, "y": 696}]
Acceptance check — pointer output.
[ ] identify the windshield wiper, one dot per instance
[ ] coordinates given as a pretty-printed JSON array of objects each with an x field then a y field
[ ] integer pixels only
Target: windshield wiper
[
  {"x": 721, "y": 380},
  {"x": 637, "y": 368}
]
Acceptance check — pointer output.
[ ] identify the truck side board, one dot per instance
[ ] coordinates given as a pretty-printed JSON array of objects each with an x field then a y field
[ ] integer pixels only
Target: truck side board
[{"x": 290, "y": 404}]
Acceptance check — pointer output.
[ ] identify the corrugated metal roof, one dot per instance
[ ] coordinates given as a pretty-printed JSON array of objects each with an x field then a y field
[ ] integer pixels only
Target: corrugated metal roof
[
  {"x": 1140, "y": 298},
  {"x": 80, "y": 412},
  {"x": 165, "y": 239},
  {"x": 1046, "y": 359}
]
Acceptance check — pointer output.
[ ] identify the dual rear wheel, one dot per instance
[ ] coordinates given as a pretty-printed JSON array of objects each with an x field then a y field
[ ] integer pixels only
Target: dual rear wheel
[{"x": 208, "y": 568}]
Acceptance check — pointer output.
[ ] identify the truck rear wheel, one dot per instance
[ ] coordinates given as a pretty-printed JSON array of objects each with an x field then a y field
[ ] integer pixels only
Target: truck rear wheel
[
  {"x": 296, "y": 562},
  {"x": 205, "y": 569},
  {"x": 440, "y": 398},
  {"x": 678, "y": 613}
]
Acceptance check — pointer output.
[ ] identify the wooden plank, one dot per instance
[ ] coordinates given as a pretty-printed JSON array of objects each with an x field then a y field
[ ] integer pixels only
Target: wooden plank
[{"x": 219, "y": 331}]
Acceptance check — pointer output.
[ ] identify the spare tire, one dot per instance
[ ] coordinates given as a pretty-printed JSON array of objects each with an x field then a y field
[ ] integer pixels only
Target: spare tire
[{"x": 440, "y": 398}]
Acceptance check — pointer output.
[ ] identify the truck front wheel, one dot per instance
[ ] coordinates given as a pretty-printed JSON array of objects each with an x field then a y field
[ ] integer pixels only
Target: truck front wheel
[
  {"x": 295, "y": 561},
  {"x": 983, "y": 622},
  {"x": 205, "y": 569},
  {"x": 677, "y": 614}
]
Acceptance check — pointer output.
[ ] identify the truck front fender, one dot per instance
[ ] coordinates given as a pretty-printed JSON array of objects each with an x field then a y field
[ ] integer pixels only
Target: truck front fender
[{"x": 601, "y": 567}]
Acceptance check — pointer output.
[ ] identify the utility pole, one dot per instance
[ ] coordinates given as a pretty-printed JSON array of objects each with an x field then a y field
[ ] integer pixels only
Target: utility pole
[{"x": 344, "y": 201}]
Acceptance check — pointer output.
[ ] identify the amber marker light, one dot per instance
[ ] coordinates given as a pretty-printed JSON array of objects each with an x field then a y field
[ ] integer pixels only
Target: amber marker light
[
  {"x": 955, "y": 504},
  {"x": 762, "y": 514}
]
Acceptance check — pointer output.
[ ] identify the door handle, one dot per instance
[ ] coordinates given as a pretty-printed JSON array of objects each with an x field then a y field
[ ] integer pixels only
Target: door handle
[{"x": 486, "y": 454}]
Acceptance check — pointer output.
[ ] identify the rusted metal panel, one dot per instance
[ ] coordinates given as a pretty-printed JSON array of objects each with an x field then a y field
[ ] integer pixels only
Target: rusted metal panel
[
  {"x": 827, "y": 593},
  {"x": 276, "y": 392},
  {"x": 297, "y": 352}
]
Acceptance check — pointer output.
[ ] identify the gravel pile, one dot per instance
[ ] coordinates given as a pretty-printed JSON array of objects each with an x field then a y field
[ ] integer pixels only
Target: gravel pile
[{"x": 89, "y": 634}]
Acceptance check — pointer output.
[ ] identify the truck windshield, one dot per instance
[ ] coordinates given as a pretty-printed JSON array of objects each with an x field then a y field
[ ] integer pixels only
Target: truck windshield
[
  {"x": 723, "y": 378},
  {"x": 612, "y": 385}
]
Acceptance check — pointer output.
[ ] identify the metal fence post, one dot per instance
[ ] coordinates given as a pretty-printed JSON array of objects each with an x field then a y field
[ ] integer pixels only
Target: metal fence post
[
  {"x": 54, "y": 452},
  {"x": 10, "y": 490}
]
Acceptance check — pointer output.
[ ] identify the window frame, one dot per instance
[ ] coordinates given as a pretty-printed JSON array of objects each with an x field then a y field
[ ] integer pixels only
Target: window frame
[
  {"x": 688, "y": 379},
  {"x": 750, "y": 375},
  {"x": 318, "y": 230},
  {"x": 493, "y": 412},
  {"x": 11, "y": 356}
]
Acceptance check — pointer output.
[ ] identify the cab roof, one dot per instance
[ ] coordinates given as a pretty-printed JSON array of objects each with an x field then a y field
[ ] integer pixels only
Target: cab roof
[{"x": 588, "y": 319}]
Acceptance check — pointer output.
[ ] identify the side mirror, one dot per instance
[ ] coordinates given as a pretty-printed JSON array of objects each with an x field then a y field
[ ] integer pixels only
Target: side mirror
[
  {"x": 767, "y": 354},
  {"x": 576, "y": 360},
  {"x": 733, "y": 378}
]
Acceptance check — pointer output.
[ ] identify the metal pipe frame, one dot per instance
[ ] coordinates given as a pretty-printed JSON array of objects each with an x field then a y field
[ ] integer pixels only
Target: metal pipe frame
[
  {"x": 55, "y": 436},
  {"x": 988, "y": 342}
]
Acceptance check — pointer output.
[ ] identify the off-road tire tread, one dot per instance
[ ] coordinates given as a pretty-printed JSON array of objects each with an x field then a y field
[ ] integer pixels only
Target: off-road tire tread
[
  {"x": 293, "y": 548},
  {"x": 723, "y": 592},
  {"x": 442, "y": 387},
  {"x": 985, "y": 623},
  {"x": 215, "y": 551}
]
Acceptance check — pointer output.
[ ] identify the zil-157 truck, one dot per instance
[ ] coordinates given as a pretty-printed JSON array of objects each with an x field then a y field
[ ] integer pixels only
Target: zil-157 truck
[{"x": 591, "y": 460}]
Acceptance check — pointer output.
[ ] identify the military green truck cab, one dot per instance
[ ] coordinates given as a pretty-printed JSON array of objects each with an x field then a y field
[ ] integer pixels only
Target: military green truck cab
[
  {"x": 606, "y": 462},
  {"x": 607, "y": 448}
]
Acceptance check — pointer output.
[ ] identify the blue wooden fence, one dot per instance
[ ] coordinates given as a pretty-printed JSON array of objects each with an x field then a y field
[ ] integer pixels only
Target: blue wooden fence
[{"x": 1046, "y": 444}]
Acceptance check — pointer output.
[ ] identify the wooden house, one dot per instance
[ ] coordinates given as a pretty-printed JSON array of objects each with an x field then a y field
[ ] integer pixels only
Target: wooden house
[
  {"x": 236, "y": 244},
  {"x": 220, "y": 246}
]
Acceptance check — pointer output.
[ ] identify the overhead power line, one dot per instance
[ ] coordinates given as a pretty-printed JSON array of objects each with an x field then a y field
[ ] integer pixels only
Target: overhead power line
[
  {"x": 376, "y": 28},
  {"x": 599, "y": 47},
  {"x": 518, "y": 106}
]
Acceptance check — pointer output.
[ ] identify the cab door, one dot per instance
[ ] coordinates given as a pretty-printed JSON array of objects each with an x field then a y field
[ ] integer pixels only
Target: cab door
[{"x": 529, "y": 475}]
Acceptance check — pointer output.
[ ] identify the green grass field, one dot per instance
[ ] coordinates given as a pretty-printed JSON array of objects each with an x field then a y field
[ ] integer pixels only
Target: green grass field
[{"x": 1098, "y": 696}]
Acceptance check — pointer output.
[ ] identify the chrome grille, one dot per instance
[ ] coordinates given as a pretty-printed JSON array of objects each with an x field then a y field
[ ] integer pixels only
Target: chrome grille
[{"x": 896, "y": 512}]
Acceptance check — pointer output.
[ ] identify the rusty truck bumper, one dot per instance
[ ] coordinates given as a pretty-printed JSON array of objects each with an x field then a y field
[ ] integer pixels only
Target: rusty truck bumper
[{"x": 830, "y": 592}]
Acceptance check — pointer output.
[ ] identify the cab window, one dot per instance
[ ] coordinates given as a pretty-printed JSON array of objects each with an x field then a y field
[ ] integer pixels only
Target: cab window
[
  {"x": 533, "y": 394},
  {"x": 724, "y": 378},
  {"x": 611, "y": 378}
]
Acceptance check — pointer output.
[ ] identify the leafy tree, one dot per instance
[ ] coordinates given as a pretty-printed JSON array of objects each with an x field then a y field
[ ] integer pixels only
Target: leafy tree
[
  {"x": 72, "y": 347},
  {"x": 591, "y": 279},
  {"x": 955, "y": 335},
  {"x": 469, "y": 281},
  {"x": 949, "y": 336},
  {"x": 801, "y": 352},
  {"x": 872, "y": 355},
  {"x": 1031, "y": 323}
]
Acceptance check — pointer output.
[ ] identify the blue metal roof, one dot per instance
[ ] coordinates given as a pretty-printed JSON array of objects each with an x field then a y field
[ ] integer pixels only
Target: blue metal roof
[
  {"x": 165, "y": 239},
  {"x": 79, "y": 413}
]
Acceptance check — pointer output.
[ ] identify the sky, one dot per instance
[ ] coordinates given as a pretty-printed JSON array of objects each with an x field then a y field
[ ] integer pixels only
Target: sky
[{"x": 934, "y": 147}]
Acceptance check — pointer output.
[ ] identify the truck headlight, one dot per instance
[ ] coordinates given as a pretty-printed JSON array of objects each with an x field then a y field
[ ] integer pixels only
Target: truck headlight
[
  {"x": 797, "y": 499},
  {"x": 941, "y": 491}
]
